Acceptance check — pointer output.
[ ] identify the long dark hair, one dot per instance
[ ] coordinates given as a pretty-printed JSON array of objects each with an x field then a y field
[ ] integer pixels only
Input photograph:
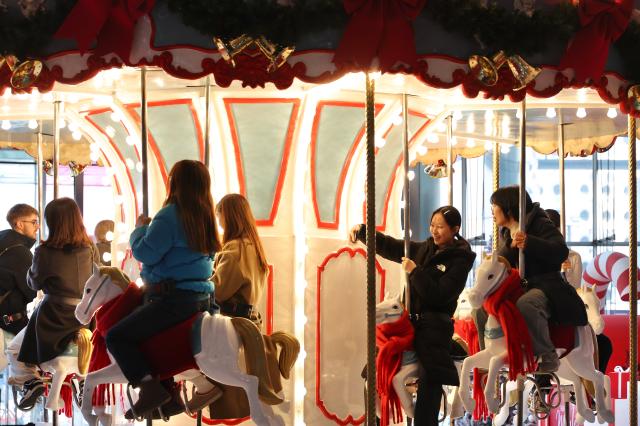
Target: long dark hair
[
  {"x": 190, "y": 191},
  {"x": 508, "y": 199},
  {"x": 452, "y": 217},
  {"x": 66, "y": 228},
  {"x": 239, "y": 223}
]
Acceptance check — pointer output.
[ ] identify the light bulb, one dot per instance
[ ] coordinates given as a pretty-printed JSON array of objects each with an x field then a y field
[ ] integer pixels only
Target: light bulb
[
  {"x": 432, "y": 138},
  {"x": 471, "y": 143},
  {"x": 551, "y": 112},
  {"x": 6, "y": 125},
  {"x": 581, "y": 113},
  {"x": 397, "y": 120},
  {"x": 457, "y": 115},
  {"x": 380, "y": 142},
  {"x": 411, "y": 175},
  {"x": 111, "y": 132},
  {"x": 76, "y": 135},
  {"x": 421, "y": 150},
  {"x": 612, "y": 113},
  {"x": 108, "y": 236},
  {"x": 130, "y": 140},
  {"x": 130, "y": 163},
  {"x": 33, "y": 124},
  {"x": 106, "y": 256},
  {"x": 94, "y": 156}
]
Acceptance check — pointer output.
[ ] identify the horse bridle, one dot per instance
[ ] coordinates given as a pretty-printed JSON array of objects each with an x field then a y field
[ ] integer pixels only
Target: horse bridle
[{"x": 95, "y": 293}]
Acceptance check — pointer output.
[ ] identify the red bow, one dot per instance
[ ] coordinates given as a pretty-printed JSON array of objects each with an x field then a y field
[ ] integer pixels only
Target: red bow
[
  {"x": 110, "y": 23},
  {"x": 603, "y": 22},
  {"x": 378, "y": 28}
]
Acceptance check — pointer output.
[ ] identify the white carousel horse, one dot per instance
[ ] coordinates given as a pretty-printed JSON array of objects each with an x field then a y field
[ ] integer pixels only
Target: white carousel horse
[
  {"x": 221, "y": 340},
  {"x": 73, "y": 361},
  {"x": 577, "y": 364},
  {"x": 390, "y": 310}
]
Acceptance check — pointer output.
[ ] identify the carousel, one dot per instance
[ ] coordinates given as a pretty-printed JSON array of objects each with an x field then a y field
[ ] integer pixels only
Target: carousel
[{"x": 326, "y": 114}]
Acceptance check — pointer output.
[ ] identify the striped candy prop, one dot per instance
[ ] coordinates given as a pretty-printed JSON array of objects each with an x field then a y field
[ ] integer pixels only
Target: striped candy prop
[{"x": 608, "y": 267}]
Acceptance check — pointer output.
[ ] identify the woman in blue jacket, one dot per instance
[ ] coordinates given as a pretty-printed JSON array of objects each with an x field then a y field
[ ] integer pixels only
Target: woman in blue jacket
[{"x": 176, "y": 251}]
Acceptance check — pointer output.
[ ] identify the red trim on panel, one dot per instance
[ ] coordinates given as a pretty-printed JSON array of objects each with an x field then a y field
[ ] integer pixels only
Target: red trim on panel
[
  {"x": 385, "y": 207},
  {"x": 347, "y": 161},
  {"x": 152, "y": 143},
  {"x": 235, "y": 138},
  {"x": 115, "y": 148},
  {"x": 319, "y": 402}
]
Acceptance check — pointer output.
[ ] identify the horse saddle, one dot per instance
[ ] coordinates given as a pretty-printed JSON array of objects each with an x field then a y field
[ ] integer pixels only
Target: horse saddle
[{"x": 563, "y": 337}]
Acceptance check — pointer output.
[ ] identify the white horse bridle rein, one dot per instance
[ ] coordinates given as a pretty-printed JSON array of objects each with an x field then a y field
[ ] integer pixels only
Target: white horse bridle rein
[{"x": 95, "y": 293}]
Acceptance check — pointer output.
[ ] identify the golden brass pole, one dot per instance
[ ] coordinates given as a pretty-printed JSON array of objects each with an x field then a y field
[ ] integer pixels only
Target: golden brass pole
[
  {"x": 371, "y": 253},
  {"x": 633, "y": 278}
]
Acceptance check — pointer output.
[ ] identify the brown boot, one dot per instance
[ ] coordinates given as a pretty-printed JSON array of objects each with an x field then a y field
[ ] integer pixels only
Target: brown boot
[
  {"x": 201, "y": 400},
  {"x": 152, "y": 395}
]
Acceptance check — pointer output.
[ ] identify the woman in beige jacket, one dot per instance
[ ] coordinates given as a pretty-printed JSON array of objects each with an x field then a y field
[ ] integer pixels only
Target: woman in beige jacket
[
  {"x": 241, "y": 269},
  {"x": 240, "y": 276}
]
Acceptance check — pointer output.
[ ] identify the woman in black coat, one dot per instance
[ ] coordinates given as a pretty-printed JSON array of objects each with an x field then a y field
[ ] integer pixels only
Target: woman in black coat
[
  {"x": 438, "y": 269},
  {"x": 61, "y": 266},
  {"x": 548, "y": 296}
]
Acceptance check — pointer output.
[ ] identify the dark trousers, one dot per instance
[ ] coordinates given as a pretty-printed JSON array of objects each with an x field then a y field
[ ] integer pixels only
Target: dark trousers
[
  {"x": 428, "y": 403},
  {"x": 156, "y": 315}
]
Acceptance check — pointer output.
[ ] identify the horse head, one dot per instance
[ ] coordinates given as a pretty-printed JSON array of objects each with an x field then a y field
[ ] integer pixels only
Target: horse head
[
  {"x": 592, "y": 304},
  {"x": 104, "y": 284},
  {"x": 490, "y": 274},
  {"x": 463, "y": 308},
  {"x": 389, "y": 310}
]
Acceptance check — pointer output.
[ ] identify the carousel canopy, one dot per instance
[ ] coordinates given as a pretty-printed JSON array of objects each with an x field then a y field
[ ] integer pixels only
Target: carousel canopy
[{"x": 573, "y": 44}]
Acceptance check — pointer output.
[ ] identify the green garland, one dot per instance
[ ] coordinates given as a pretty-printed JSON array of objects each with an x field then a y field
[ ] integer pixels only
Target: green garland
[
  {"x": 26, "y": 37},
  {"x": 280, "y": 24},
  {"x": 494, "y": 27},
  {"x": 497, "y": 28}
]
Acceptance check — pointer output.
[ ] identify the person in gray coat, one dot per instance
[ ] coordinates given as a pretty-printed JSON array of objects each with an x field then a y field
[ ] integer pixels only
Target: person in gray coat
[{"x": 61, "y": 266}]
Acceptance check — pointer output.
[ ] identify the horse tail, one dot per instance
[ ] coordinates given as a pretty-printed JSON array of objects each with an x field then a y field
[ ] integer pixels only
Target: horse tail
[
  {"x": 83, "y": 340},
  {"x": 289, "y": 350},
  {"x": 255, "y": 358}
]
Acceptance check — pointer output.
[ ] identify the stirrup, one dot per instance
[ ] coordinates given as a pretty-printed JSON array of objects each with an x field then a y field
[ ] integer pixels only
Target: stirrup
[{"x": 133, "y": 411}]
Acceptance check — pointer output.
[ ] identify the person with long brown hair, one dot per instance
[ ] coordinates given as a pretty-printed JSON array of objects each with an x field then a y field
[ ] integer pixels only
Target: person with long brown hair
[
  {"x": 241, "y": 273},
  {"x": 176, "y": 250},
  {"x": 61, "y": 265}
]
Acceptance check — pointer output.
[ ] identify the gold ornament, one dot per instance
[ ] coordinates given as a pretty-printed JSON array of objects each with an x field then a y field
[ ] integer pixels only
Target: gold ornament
[
  {"x": 277, "y": 55},
  {"x": 634, "y": 96},
  {"x": 47, "y": 167},
  {"x": 484, "y": 69},
  {"x": 438, "y": 170},
  {"x": 76, "y": 168},
  {"x": 234, "y": 47},
  {"x": 25, "y": 74},
  {"x": 8, "y": 60},
  {"x": 522, "y": 71}
]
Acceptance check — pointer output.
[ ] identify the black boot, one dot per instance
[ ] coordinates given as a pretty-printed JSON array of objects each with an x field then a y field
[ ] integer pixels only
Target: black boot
[{"x": 152, "y": 395}]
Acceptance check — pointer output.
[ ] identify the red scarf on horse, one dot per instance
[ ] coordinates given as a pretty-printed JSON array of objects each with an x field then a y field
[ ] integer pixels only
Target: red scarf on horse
[
  {"x": 392, "y": 339},
  {"x": 502, "y": 305},
  {"x": 106, "y": 317}
]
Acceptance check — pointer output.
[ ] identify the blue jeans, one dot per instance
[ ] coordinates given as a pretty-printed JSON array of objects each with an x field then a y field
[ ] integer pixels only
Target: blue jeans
[{"x": 156, "y": 315}]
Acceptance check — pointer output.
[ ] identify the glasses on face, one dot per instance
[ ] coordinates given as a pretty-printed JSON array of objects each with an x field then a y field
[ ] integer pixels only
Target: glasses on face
[{"x": 34, "y": 222}]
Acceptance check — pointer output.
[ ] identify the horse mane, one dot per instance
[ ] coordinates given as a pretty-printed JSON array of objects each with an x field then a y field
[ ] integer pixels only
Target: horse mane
[
  {"x": 118, "y": 277},
  {"x": 501, "y": 259}
]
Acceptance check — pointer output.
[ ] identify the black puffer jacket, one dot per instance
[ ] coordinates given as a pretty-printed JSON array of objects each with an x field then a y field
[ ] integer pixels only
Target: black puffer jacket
[
  {"x": 543, "y": 255},
  {"x": 14, "y": 264},
  {"x": 436, "y": 283}
]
